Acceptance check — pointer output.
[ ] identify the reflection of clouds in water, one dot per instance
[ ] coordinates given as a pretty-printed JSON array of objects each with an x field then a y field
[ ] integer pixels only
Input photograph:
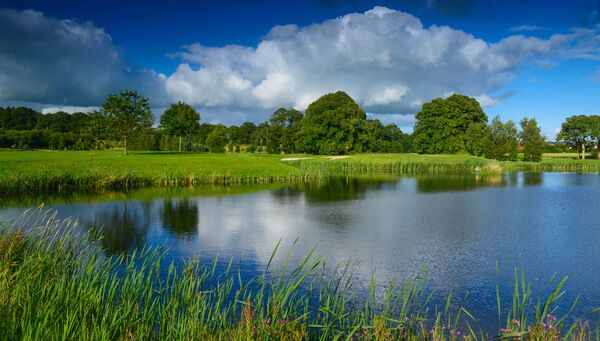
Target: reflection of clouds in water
[{"x": 396, "y": 227}]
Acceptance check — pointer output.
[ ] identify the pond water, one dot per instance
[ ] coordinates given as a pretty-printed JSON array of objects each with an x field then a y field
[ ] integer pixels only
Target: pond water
[{"x": 457, "y": 227}]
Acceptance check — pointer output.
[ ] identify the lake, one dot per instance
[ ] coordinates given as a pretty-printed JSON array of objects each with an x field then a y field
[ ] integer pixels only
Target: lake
[{"x": 457, "y": 228}]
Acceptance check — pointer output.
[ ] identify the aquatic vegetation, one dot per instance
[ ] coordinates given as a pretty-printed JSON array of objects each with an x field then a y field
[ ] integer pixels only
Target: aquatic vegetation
[{"x": 56, "y": 283}]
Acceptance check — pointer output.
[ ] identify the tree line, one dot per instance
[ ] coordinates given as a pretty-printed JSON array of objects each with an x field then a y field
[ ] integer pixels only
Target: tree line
[{"x": 333, "y": 124}]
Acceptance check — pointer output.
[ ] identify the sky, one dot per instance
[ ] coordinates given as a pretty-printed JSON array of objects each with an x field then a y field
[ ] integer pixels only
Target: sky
[{"x": 237, "y": 61}]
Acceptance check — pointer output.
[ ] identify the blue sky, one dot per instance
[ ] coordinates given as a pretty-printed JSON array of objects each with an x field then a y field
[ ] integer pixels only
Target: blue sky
[{"x": 236, "y": 60}]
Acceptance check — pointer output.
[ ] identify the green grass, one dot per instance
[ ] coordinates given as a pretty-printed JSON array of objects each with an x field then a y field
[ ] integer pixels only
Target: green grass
[
  {"x": 407, "y": 163},
  {"x": 59, "y": 172},
  {"x": 55, "y": 284},
  {"x": 66, "y": 172}
]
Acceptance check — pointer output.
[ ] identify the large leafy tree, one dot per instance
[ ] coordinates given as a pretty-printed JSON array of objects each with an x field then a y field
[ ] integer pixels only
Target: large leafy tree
[
  {"x": 576, "y": 132},
  {"x": 532, "y": 140},
  {"x": 284, "y": 126},
  {"x": 124, "y": 114},
  {"x": 442, "y": 124},
  {"x": 333, "y": 124},
  {"x": 180, "y": 119}
]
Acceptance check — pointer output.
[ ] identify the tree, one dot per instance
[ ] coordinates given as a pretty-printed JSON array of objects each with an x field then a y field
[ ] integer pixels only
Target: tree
[
  {"x": 181, "y": 119},
  {"x": 594, "y": 122},
  {"x": 532, "y": 140},
  {"x": 504, "y": 140},
  {"x": 333, "y": 124},
  {"x": 478, "y": 138},
  {"x": 124, "y": 114},
  {"x": 284, "y": 126},
  {"x": 247, "y": 129},
  {"x": 576, "y": 131},
  {"x": 217, "y": 139},
  {"x": 442, "y": 124}
]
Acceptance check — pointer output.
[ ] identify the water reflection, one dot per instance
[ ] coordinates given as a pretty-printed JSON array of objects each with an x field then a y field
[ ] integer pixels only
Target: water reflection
[
  {"x": 180, "y": 216},
  {"x": 342, "y": 188},
  {"x": 394, "y": 225},
  {"x": 122, "y": 227}
]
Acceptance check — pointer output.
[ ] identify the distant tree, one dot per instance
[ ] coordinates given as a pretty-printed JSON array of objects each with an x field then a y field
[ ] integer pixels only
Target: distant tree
[
  {"x": 284, "y": 127},
  {"x": 260, "y": 136},
  {"x": 247, "y": 129},
  {"x": 180, "y": 119},
  {"x": 20, "y": 118},
  {"x": 478, "y": 138},
  {"x": 442, "y": 124},
  {"x": 203, "y": 131},
  {"x": 217, "y": 139},
  {"x": 333, "y": 124},
  {"x": 594, "y": 122},
  {"x": 124, "y": 114},
  {"x": 504, "y": 140},
  {"x": 532, "y": 140},
  {"x": 576, "y": 131}
]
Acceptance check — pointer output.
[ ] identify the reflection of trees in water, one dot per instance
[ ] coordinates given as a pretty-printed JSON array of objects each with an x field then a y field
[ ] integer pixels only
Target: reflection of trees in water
[
  {"x": 334, "y": 189},
  {"x": 180, "y": 216},
  {"x": 447, "y": 183},
  {"x": 533, "y": 179},
  {"x": 122, "y": 227}
]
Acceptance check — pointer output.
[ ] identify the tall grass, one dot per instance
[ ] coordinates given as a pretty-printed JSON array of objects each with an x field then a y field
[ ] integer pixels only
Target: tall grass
[{"x": 55, "y": 283}]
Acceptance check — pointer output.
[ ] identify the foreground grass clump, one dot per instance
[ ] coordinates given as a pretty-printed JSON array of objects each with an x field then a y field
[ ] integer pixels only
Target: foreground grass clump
[{"x": 56, "y": 284}]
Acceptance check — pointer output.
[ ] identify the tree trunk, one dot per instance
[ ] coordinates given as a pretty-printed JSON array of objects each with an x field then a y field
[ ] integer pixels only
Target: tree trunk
[
  {"x": 125, "y": 149},
  {"x": 583, "y": 151},
  {"x": 180, "y": 144}
]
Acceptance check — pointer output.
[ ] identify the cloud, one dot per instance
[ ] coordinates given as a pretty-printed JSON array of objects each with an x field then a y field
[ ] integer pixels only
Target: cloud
[
  {"x": 385, "y": 59},
  {"x": 46, "y": 60},
  {"x": 67, "y": 109},
  {"x": 527, "y": 28}
]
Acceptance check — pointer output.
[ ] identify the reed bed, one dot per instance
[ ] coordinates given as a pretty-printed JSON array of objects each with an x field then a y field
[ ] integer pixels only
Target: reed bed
[{"x": 55, "y": 283}]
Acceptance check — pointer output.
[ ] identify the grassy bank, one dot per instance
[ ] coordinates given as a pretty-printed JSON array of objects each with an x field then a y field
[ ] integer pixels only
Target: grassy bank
[
  {"x": 399, "y": 164},
  {"x": 64, "y": 172},
  {"x": 56, "y": 284}
]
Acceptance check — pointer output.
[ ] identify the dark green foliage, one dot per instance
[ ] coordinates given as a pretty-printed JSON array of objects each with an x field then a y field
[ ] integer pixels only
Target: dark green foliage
[
  {"x": 247, "y": 130},
  {"x": 442, "y": 124},
  {"x": 124, "y": 114},
  {"x": 478, "y": 139},
  {"x": 579, "y": 132},
  {"x": 504, "y": 141},
  {"x": 333, "y": 124},
  {"x": 284, "y": 127},
  {"x": 217, "y": 139},
  {"x": 180, "y": 119},
  {"x": 20, "y": 118},
  {"x": 45, "y": 139},
  {"x": 532, "y": 140}
]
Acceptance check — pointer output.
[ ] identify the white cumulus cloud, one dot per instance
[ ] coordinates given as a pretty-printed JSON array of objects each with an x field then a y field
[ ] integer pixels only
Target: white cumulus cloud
[{"x": 385, "y": 59}]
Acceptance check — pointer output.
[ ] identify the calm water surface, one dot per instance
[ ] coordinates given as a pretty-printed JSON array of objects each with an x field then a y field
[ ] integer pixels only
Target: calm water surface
[{"x": 457, "y": 227}]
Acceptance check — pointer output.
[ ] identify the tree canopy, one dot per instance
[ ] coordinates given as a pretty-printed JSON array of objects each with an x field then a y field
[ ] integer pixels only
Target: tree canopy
[
  {"x": 333, "y": 124},
  {"x": 532, "y": 140},
  {"x": 180, "y": 119},
  {"x": 442, "y": 124},
  {"x": 124, "y": 114}
]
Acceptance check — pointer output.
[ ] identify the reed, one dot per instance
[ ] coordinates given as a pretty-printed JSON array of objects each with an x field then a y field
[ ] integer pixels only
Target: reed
[{"x": 55, "y": 283}]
